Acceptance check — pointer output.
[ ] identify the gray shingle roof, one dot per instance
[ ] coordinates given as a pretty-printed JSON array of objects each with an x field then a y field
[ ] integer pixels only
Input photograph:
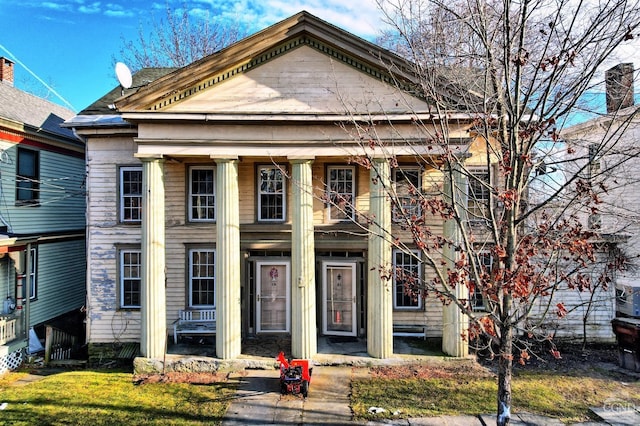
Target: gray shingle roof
[{"x": 23, "y": 107}]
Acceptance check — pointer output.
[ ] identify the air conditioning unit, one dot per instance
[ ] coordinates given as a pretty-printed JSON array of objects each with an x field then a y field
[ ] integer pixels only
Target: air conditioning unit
[{"x": 628, "y": 299}]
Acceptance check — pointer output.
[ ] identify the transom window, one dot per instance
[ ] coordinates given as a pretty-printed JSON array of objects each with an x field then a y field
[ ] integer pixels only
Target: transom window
[
  {"x": 341, "y": 192},
  {"x": 406, "y": 279},
  {"x": 408, "y": 186},
  {"x": 479, "y": 195},
  {"x": 202, "y": 194},
  {"x": 130, "y": 278},
  {"x": 271, "y": 194},
  {"x": 202, "y": 281},
  {"x": 28, "y": 176},
  {"x": 130, "y": 194}
]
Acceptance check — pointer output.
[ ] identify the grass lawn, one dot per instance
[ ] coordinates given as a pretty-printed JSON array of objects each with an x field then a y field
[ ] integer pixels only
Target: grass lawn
[
  {"x": 109, "y": 397},
  {"x": 465, "y": 388}
]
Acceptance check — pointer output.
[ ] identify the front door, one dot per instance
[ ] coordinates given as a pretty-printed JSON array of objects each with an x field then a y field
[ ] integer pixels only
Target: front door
[
  {"x": 339, "y": 298},
  {"x": 272, "y": 297}
]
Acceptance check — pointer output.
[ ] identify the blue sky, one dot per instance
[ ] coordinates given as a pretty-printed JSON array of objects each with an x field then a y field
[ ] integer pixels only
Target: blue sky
[{"x": 70, "y": 44}]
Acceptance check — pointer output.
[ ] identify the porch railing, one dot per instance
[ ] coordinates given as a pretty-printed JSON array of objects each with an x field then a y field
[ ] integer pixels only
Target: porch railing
[
  {"x": 7, "y": 329},
  {"x": 58, "y": 344}
]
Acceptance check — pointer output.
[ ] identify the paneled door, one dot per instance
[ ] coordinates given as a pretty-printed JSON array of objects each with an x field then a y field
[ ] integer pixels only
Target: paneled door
[
  {"x": 272, "y": 297},
  {"x": 339, "y": 298}
]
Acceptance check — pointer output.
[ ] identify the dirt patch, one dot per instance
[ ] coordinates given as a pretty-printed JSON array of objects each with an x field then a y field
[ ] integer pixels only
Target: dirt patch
[
  {"x": 181, "y": 377},
  {"x": 448, "y": 370}
]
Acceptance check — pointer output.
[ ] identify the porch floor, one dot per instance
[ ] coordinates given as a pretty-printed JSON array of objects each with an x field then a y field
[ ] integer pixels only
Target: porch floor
[{"x": 332, "y": 350}]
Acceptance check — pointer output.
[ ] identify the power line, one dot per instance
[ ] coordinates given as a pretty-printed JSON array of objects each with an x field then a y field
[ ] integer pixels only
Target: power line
[{"x": 16, "y": 60}]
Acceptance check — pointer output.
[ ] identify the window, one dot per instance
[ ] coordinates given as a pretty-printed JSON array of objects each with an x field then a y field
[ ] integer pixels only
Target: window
[
  {"x": 341, "y": 193},
  {"x": 33, "y": 288},
  {"x": 271, "y": 194},
  {"x": 406, "y": 280},
  {"x": 202, "y": 281},
  {"x": 408, "y": 186},
  {"x": 130, "y": 194},
  {"x": 479, "y": 195},
  {"x": 595, "y": 220},
  {"x": 130, "y": 278},
  {"x": 485, "y": 262},
  {"x": 202, "y": 194},
  {"x": 28, "y": 177}
]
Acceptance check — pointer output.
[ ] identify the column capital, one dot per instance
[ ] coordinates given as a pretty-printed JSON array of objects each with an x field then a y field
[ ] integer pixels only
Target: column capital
[
  {"x": 224, "y": 159},
  {"x": 300, "y": 159}
]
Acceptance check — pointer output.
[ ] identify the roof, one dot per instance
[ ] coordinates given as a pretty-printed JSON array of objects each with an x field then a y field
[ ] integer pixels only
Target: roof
[
  {"x": 104, "y": 105},
  {"x": 41, "y": 114}
]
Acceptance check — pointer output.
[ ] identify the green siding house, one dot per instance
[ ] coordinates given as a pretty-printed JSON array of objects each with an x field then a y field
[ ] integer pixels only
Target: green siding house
[{"x": 42, "y": 218}]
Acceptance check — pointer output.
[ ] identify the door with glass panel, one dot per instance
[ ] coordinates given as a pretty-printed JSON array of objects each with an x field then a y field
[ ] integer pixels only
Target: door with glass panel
[
  {"x": 272, "y": 297},
  {"x": 339, "y": 298}
]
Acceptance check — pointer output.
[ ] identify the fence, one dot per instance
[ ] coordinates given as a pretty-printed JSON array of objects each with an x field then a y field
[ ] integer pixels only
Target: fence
[
  {"x": 58, "y": 344},
  {"x": 7, "y": 329}
]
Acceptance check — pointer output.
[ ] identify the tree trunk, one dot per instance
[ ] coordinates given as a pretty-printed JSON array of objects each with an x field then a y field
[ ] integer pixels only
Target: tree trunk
[{"x": 505, "y": 364}]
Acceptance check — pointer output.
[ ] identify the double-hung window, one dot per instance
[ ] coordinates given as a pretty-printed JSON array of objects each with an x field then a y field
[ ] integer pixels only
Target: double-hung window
[
  {"x": 202, "y": 194},
  {"x": 408, "y": 186},
  {"x": 341, "y": 192},
  {"x": 130, "y": 278},
  {"x": 271, "y": 194},
  {"x": 202, "y": 278},
  {"x": 479, "y": 195},
  {"x": 130, "y": 194},
  {"x": 406, "y": 279},
  {"x": 28, "y": 177}
]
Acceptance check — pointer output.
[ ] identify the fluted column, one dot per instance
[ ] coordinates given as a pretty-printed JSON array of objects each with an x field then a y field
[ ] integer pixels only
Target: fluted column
[
  {"x": 153, "y": 306},
  {"x": 229, "y": 325},
  {"x": 303, "y": 283},
  {"x": 379, "y": 295},
  {"x": 455, "y": 323}
]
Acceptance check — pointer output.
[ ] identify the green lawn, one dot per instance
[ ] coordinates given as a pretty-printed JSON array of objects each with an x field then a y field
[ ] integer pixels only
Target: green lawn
[
  {"x": 105, "y": 397},
  {"x": 566, "y": 396}
]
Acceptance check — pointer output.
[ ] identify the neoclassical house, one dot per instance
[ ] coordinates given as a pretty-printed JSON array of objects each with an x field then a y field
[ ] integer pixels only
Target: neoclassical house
[{"x": 215, "y": 186}]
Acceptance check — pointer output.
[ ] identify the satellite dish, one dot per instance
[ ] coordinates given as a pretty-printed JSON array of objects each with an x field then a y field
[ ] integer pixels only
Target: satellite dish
[{"x": 124, "y": 75}]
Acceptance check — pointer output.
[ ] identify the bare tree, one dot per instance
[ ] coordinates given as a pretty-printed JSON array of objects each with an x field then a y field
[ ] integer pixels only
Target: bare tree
[
  {"x": 177, "y": 40},
  {"x": 508, "y": 73}
]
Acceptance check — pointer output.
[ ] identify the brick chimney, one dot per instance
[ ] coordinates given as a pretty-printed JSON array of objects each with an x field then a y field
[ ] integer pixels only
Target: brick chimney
[
  {"x": 6, "y": 70},
  {"x": 619, "y": 87}
]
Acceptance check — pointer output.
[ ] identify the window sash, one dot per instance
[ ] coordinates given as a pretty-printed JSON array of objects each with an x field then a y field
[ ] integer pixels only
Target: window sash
[
  {"x": 271, "y": 194},
  {"x": 130, "y": 194},
  {"x": 202, "y": 194},
  {"x": 478, "y": 194},
  {"x": 408, "y": 187},
  {"x": 130, "y": 278},
  {"x": 202, "y": 281},
  {"x": 477, "y": 301},
  {"x": 28, "y": 175},
  {"x": 341, "y": 193},
  {"x": 406, "y": 269}
]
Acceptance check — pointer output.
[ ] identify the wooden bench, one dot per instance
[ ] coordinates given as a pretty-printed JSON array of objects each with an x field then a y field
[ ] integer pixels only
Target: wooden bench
[
  {"x": 410, "y": 330},
  {"x": 199, "y": 322}
]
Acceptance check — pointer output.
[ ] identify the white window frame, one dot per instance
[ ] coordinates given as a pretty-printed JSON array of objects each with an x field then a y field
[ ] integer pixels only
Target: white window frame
[
  {"x": 414, "y": 256},
  {"x": 407, "y": 208},
  {"x": 130, "y": 276},
  {"x": 124, "y": 196},
  {"x": 282, "y": 193},
  {"x": 198, "y": 196},
  {"x": 478, "y": 209},
  {"x": 27, "y": 184},
  {"x": 193, "y": 276},
  {"x": 333, "y": 195},
  {"x": 477, "y": 300}
]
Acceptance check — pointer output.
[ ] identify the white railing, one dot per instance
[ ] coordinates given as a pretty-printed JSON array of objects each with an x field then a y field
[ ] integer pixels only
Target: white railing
[{"x": 7, "y": 329}]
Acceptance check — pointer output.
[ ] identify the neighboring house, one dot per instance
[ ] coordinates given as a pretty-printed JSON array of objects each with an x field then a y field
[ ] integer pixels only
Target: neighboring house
[
  {"x": 607, "y": 149},
  {"x": 42, "y": 217},
  {"x": 208, "y": 189}
]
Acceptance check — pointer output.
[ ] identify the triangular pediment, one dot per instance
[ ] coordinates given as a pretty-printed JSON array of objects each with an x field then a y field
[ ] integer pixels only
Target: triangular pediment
[
  {"x": 301, "y": 64},
  {"x": 303, "y": 80}
]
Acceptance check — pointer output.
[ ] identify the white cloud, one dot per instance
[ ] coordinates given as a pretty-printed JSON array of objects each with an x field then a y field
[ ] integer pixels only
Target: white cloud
[{"x": 90, "y": 8}]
